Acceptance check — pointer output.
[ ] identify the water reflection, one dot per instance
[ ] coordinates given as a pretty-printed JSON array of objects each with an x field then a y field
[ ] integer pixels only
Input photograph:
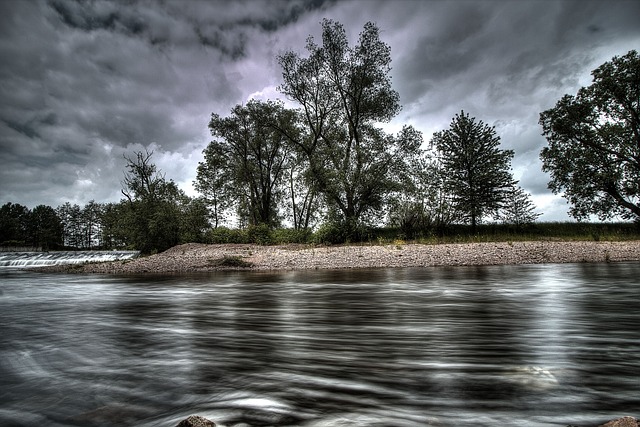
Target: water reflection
[{"x": 511, "y": 345}]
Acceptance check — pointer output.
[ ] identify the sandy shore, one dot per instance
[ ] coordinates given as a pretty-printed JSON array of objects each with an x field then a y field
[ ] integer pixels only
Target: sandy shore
[{"x": 195, "y": 257}]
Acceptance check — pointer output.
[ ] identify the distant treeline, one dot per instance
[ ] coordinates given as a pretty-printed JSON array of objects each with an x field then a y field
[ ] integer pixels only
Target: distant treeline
[{"x": 103, "y": 226}]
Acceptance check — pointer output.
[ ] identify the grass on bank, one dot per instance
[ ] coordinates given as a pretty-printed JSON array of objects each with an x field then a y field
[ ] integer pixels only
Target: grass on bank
[{"x": 335, "y": 234}]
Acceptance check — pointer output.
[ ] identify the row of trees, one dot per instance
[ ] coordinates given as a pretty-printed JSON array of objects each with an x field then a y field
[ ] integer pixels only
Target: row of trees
[
  {"x": 153, "y": 216},
  {"x": 39, "y": 227},
  {"x": 330, "y": 161}
]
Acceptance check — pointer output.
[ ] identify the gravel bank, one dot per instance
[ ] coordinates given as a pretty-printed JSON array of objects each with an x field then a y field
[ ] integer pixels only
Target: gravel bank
[{"x": 195, "y": 257}]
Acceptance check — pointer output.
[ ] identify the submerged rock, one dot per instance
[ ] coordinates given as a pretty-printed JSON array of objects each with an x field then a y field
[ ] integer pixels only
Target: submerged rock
[{"x": 196, "y": 421}]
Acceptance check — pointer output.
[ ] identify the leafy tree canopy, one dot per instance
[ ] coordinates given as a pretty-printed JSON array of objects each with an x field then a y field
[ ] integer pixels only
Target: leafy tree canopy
[
  {"x": 594, "y": 143},
  {"x": 343, "y": 92},
  {"x": 248, "y": 161}
]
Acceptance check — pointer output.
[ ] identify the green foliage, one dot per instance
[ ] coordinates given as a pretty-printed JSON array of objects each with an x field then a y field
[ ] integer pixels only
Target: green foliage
[
  {"x": 81, "y": 226},
  {"x": 477, "y": 171},
  {"x": 155, "y": 214},
  {"x": 336, "y": 232},
  {"x": 248, "y": 163},
  {"x": 329, "y": 233},
  {"x": 304, "y": 198},
  {"x": 223, "y": 235},
  {"x": 423, "y": 205},
  {"x": 518, "y": 209},
  {"x": 282, "y": 236},
  {"x": 193, "y": 220},
  {"x": 594, "y": 143},
  {"x": 260, "y": 234},
  {"x": 343, "y": 93},
  {"x": 214, "y": 182},
  {"x": 45, "y": 228},
  {"x": 115, "y": 226},
  {"x": 14, "y": 224}
]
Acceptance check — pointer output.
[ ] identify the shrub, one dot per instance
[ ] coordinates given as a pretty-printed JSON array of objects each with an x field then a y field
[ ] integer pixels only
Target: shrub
[
  {"x": 341, "y": 232},
  {"x": 291, "y": 235},
  {"x": 223, "y": 235},
  {"x": 260, "y": 234}
]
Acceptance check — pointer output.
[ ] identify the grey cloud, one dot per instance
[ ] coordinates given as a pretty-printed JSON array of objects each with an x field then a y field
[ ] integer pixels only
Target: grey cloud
[
  {"x": 92, "y": 16},
  {"x": 222, "y": 26},
  {"x": 82, "y": 83}
]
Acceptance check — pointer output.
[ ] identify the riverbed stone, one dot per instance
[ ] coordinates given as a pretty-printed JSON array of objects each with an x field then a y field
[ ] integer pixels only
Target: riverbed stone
[
  {"x": 192, "y": 257},
  {"x": 196, "y": 421},
  {"x": 622, "y": 422}
]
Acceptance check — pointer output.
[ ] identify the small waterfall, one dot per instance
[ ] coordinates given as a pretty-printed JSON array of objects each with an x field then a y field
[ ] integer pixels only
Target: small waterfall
[{"x": 43, "y": 259}]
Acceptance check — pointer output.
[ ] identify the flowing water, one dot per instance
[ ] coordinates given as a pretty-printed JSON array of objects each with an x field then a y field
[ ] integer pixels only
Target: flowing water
[
  {"x": 43, "y": 259},
  {"x": 529, "y": 345}
]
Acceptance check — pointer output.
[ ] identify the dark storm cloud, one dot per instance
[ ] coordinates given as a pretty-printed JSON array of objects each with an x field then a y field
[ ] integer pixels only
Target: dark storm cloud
[
  {"x": 84, "y": 82},
  {"x": 222, "y": 25},
  {"x": 504, "y": 62}
]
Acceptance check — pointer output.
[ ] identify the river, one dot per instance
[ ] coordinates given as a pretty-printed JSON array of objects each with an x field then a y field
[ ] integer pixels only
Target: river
[{"x": 527, "y": 345}]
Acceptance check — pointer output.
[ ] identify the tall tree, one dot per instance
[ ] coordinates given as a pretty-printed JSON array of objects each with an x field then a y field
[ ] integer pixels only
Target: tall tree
[
  {"x": 214, "y": 182},
  {"x": 70, "y": 217},
  {"x": 304, "y": 201},
  {"x": 45, "y": 228},
  {"x": 115, "y": 225},
  {"x": 423, "y": 204},
  {"x": 594, "y": 143},
  {"x": 254, "y": 148},
  {"x": 14, "y": 220},
  {"x": 343, "y": 92},
  {"x": 478, "y": 172},
  {"x": 91, "y": 221},
  {"x": 194, "y": 223},
  {"x": 153, "y": 212}
]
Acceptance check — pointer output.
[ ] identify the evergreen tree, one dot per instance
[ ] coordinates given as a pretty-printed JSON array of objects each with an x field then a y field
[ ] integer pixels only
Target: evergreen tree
[
  {"x": 518, "y": 208},
  {"x": 477, "y": 172}
]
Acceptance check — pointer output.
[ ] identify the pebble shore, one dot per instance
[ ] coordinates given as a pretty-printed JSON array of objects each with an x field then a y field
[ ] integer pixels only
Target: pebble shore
[{"x": 195, "y": 257}]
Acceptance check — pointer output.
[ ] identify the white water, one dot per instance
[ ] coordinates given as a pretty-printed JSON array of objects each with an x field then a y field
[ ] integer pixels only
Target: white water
[{"x": 43, "y": 259}]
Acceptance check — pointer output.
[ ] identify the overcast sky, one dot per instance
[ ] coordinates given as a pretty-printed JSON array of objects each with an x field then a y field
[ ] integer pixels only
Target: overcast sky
[{"x": 82, "y": 83}]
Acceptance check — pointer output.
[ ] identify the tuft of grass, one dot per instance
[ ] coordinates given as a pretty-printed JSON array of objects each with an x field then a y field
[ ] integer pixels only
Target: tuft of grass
[
  {"x": 335, "y": 233},
  {"x": 230, "y": 261}
]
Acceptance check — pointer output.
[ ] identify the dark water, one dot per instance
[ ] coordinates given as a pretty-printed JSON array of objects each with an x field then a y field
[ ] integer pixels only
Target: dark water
[{"x": 543, "y": 345}]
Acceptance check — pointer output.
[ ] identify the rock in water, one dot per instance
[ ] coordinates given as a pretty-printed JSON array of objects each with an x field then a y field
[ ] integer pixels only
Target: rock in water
[
  {"x": 196, "y": 421},
  {"x": 622, "y": 422}
]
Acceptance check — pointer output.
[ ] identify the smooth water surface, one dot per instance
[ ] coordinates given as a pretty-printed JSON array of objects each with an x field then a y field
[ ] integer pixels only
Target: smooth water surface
[{"x": 537, "y": 345}]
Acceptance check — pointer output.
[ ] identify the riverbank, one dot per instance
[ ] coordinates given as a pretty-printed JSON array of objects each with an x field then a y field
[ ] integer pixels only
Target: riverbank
[{"x": 195, "y": 257}]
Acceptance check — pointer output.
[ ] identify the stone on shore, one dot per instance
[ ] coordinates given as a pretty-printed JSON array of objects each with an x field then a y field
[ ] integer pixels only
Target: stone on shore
[
  {"x": 197, "y": 257},
  {"x": 196, "y": 421},
  {"x": 622, "y": 422}
]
